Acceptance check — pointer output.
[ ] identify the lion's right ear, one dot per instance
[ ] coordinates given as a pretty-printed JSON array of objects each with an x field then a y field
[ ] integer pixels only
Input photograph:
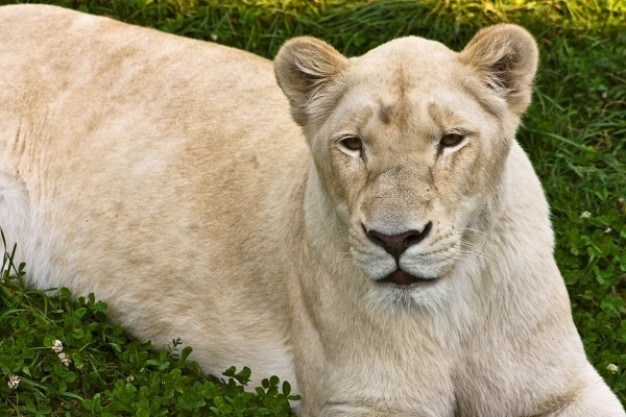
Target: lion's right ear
[{"x": 306, "y": 69}]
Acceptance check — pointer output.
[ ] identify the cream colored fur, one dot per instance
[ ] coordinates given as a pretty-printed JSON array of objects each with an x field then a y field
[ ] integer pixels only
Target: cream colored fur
[{"x": 167, "y": 176}]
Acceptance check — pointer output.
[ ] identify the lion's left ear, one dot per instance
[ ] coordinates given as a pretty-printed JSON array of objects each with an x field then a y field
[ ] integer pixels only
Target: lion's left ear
[
  {"x": 305, "y": 67},
  {"x": 505, "y": 57}
]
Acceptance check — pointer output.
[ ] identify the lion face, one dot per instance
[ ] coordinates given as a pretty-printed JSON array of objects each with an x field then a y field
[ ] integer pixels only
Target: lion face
[{"x": 410, "y": 141}]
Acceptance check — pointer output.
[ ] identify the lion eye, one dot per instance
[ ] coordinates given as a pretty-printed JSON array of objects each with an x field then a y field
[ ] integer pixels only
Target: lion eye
[
  {"x": 451, "y": 139},
  {"x": 352, "y": 143}
]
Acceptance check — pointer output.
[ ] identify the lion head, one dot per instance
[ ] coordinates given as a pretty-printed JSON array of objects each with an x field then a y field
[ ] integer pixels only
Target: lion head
[{"x": 410, "y": 142}]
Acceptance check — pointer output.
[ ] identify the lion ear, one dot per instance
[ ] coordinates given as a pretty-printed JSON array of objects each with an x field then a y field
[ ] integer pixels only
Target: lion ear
[
  {"x": 505, "y": 57},
  {"x": 305, "y": 67}
]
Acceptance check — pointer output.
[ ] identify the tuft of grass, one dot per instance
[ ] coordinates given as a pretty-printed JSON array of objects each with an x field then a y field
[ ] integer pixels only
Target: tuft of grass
[{"x": 574, "y": 132}]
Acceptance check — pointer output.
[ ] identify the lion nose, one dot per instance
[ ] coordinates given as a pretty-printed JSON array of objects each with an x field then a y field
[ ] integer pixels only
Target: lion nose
[{"x": 395, "y": 245}]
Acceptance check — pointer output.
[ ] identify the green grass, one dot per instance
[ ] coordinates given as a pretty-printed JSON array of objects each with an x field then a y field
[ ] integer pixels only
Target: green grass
[
  {"x": 99, "y": 370},
  {"x": 575, "y": 133}
]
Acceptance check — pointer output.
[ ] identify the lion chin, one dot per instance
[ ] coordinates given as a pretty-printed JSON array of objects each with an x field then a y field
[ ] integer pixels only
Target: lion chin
[{"x": 366, "y": 228}]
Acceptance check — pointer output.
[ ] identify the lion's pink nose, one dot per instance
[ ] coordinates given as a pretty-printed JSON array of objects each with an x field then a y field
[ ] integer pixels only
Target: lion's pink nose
[{"x": 395, "y": 245}]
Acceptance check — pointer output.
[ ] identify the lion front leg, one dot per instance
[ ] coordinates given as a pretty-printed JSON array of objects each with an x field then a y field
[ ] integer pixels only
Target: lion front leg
[
  {"x": 594, "y": 401},
  {"x": 351, "y": 410}
]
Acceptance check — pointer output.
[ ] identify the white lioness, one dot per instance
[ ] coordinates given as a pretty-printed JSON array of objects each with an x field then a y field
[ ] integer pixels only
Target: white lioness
[{"x": 389, "y": 251}]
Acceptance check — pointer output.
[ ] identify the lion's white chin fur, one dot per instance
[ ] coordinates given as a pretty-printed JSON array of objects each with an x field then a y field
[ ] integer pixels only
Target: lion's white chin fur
[
  {"x": 263, "y": 224},
  {"x": 432, "y": 295}
]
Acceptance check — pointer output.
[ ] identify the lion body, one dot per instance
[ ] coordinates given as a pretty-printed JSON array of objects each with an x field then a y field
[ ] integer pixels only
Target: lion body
[{"x": 167, "y": 176}]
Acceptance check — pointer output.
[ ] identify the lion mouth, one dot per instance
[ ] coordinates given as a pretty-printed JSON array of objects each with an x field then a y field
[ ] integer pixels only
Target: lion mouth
[{"x": 402, "y": 278}]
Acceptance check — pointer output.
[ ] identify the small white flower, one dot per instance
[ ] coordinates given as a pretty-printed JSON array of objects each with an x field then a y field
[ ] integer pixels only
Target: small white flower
[
  {"x": 612, "y": 368},
  {"x": 64, "y": 359},
  {"x": 607, "y": 230},
  {"x": 585, "y": 215},
  {"x": 213, "y": 37},
  {"x": 14, "y": 381},
  {"x": 621, "y": 200},
  {"x": 57, "y": 346}
]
